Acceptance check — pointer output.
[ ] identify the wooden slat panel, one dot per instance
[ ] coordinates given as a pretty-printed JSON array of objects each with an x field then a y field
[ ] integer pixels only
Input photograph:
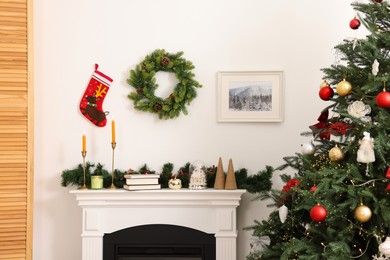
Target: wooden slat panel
[
  {"x": 14, "y": 237},
  {"x": 10, "y": 246},
  {"x": 6, "y": 256},
  {"x": 4, "y": 209},
  {"x": 16, "y": 116}
]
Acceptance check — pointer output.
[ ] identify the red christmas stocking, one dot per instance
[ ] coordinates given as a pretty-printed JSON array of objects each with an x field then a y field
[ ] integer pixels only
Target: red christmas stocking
[{"x": 91, "y": 105}]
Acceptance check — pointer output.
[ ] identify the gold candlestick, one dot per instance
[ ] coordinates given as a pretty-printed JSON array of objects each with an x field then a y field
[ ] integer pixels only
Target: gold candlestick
[
  {"x": 113, "y": 145},
  {"x": 84, "y": 187}
]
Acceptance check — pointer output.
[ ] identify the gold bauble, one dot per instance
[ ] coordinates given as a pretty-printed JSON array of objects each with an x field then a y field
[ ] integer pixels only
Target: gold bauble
[
  {"x": 363, "y": 213},
  {"x": 336, "y": 154},
  {"x": 324, "y": 84},
  {"x": 344, "y": 88}
]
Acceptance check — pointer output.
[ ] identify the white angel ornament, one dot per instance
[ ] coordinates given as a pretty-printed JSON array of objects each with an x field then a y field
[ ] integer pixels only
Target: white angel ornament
[{"x": 366, "y": 153}]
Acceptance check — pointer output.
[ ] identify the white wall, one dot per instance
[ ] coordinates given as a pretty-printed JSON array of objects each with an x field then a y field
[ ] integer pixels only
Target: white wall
[{"x": 71, "y": 36}]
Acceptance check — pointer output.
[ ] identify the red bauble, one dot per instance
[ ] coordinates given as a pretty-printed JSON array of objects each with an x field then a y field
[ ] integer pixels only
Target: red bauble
[
  {"x": 388, "y": 173},
  {"x": 354, "y": 24},
  {"x": 314, "y": 188},
  {"x": 378, "y": 1},
  {"x": 326, "y": 93},
  {"x": 318, "y": 213},
  {"x": 383, "y": 99}
]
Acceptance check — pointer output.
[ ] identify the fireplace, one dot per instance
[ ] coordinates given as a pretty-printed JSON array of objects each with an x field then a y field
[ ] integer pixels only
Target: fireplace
[
  {"x": 209, "y": 214},
  {"x": 158, "y": 242}
]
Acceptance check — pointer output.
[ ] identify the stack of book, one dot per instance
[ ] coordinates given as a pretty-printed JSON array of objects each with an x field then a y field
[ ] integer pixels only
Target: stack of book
[{"x": 142, "y": 182}]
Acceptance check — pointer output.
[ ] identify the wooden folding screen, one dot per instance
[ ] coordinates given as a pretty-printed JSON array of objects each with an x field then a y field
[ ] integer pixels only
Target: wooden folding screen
[{"x": 16, "y": 129}]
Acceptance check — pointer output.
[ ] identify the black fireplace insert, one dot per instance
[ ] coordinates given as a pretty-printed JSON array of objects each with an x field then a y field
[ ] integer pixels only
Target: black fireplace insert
[{"x": 159, "y": 242}]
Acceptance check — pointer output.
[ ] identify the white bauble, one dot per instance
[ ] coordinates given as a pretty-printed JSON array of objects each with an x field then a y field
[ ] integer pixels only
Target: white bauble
[{"x": 308, "y": 148}]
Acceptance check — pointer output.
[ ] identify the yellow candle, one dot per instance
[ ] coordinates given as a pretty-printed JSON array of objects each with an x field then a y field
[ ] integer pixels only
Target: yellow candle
[
  {"x": 84, "y": 143},
  {"x": 113, "y": 131}
]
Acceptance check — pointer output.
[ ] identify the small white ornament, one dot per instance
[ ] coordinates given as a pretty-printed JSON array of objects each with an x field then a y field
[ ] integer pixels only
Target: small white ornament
[
  {"x": 384, "y": 248},
  {"x": 358, "y": 109},
  {"x": 283, "y": 212},
  {"x": 366, "y": 154},
  {"x": 308, "y": 148},
  {"x": 366, "y": 119},
  {"x": 381, "y": 257},
  {"x": 375, "y": 67},
  {"x": 257, "y": 244},
  {"x": 174, "y": 184},
  {"x": 354, "y": 41}
]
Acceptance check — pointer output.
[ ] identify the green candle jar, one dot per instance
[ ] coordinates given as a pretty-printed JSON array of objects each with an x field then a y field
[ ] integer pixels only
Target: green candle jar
[{"x": 97, "y": 182}]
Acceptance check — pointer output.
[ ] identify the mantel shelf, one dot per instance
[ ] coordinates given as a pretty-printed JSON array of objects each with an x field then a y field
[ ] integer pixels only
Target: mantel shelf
[
  {"x": 182, "y": 197},
  {"x": 210, "y": 211}
]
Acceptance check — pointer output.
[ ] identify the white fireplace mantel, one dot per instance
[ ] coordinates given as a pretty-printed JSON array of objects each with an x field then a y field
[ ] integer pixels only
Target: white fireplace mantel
[{"x": 211, "y": 211}]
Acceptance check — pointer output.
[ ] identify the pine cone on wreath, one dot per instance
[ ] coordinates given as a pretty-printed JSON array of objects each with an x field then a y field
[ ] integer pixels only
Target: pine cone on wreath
[
  {"x": 165, "y": 61},
  {"x": 157, "y": 107}
]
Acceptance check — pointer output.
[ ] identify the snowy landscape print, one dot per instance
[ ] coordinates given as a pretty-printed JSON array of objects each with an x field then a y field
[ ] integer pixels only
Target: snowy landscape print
[{"x": 250, "y": 96}]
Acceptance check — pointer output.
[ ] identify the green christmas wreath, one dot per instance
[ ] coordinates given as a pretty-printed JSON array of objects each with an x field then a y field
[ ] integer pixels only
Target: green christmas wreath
[{"x": 142, "y": 78}]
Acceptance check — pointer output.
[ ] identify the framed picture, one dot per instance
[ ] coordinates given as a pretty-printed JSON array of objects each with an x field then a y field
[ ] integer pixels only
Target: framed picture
[{"x": 250, "y": 96}]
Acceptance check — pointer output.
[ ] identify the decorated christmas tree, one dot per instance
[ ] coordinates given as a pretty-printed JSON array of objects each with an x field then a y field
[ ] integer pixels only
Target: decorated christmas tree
[{"x": 336, "y": 200}]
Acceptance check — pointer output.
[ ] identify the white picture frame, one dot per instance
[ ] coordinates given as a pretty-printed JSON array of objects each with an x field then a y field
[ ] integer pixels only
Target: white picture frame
[{"x": 250, "y": 96}]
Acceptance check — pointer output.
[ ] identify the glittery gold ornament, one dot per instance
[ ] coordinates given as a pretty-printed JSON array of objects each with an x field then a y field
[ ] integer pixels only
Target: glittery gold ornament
[
  {"x": 344, "y": 88},
  {"x": 324, "y": 84},
  {"x": 336, "y": 154},
  {"x": 363, "y": 213}
]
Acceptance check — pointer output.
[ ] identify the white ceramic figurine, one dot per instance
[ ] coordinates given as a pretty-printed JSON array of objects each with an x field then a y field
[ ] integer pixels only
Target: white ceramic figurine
[{"x": 366, "y": 153}]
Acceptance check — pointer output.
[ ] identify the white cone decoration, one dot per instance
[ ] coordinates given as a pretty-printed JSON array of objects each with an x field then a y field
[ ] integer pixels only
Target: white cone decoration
[
  {"x": 283, "y": 212},
  {"x": 375, "y": 67},
  {"x": 384, "y": 248}
]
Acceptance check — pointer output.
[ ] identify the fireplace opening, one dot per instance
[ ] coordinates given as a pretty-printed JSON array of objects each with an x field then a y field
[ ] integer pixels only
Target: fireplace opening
[{"x": 159, "y": 242}]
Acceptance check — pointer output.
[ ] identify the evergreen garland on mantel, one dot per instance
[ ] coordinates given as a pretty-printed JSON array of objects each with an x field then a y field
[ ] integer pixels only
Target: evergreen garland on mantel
[{"x": 261, "y": 181}]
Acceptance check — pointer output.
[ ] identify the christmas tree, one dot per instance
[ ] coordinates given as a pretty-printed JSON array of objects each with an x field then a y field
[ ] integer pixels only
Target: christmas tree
[{"x": 336, "y": 203}]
